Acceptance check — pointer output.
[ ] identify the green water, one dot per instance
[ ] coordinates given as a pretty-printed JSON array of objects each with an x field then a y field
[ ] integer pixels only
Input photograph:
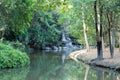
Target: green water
[{"x": 49, "y": 66}]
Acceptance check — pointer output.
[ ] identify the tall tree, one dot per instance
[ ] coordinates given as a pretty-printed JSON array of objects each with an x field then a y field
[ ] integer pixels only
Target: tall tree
[
  {"x": 111, "y": 12},
  {"x": 98, "y": 26},
  {"x": 84, "y": 27}
]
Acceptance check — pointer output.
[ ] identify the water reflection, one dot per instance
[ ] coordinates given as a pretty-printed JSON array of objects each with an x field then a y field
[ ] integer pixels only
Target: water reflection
[
  {"x": 86, "y": 72},
  {"x": 48, "y": 66},
  {"x": 103, "y": 74},
  {"x": 65, "y": 54},
  {"x": 14, "y": 74}
]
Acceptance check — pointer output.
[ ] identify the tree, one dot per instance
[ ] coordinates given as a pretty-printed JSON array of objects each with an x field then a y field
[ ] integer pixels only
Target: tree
[
  {"x": 82, "y": 22},
  {"x": 84, "y": 27},
  {"x": 15, "y": 17},
  {"x": 98, "y": 26},
  {"x": 45, "y": 26},
  {"x": 111, "y": 12}
]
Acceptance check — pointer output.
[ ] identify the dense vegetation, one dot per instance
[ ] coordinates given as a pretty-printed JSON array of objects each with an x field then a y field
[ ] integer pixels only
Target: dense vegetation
[
  {"x": 45, "y": 30},
  {"x": 40, "y": 23},
  {"x": 11, "y": 58}
]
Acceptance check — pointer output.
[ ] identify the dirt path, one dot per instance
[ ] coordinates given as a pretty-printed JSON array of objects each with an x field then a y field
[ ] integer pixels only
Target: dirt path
[{"x": 107, "y": 62}]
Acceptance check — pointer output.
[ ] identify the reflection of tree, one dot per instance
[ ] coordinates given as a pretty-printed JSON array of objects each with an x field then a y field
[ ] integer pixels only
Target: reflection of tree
[
  {"x": 100, "y": 74},
  {"x": 103, "y": 74},
  {"x": 65, "y": 54},
  {"x": 45, "y": 67},
  {"x": 86, "y": 72},
  {"x": 112, "y": 76},
  {"x": 14, "y": 74}
]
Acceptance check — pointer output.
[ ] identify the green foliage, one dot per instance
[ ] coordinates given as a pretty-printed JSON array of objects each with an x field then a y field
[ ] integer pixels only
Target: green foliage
[
  {"x": 76, "y": 26},
  {"x": 44, "y": 30},
  {"x": 10, "y": 58},
  {"x": 15, "y": 16},
  {"x": 16, "y": 45},
  {"x": 38, "y": 21}
]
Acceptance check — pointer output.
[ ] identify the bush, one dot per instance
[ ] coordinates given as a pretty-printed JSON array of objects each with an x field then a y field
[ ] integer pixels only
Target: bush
[
  {"x": 15, "y": 45},
  {"x": 10, "y": 58}
]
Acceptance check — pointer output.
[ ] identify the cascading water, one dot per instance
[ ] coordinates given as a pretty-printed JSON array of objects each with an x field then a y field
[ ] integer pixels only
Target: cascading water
[
  {"x": 67, "y": 41},
  {"x": 64, "y": 38},
  {"x": 68, "y": 46}
]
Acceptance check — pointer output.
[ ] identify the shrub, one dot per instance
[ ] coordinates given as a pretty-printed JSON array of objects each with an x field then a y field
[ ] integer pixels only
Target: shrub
[
  {"x": 10, "y": 58},
  {"x": 15, "y": 45}
]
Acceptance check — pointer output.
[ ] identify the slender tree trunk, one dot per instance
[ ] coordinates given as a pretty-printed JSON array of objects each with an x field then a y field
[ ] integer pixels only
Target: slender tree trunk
[
  {"x": 95, "y": 6},
  {"x": 112, "y": 42},
  {"x": 98, "y": 24},
  {"x": 111, "y": 32},
  {"x": 101, "y": 30},
  {"x": 119, "y": 40},
  {"x": 85, "y": 29},
  {"x": 103, "y": 44}
]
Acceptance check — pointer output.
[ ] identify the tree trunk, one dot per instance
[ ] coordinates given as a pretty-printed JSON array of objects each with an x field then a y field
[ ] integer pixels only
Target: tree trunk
[
  {"x": 98, "y": 25},
  {"x": 110, "y": 44},
  {"x": 103, "y": 44},
  {"x": 111, "y": 32},
  {"x": 119, "y": 40},
  {"x": 113, "y": 42},
  {"x": 85, "y": 30},
  {"x": 101, "y": 30}
]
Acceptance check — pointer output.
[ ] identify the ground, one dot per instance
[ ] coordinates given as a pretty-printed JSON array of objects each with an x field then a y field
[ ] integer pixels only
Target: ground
[{"x": 88, "y": 57}]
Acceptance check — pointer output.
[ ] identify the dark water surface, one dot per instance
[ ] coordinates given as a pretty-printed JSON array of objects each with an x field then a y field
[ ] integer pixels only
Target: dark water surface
[{"x": 51, "y": 66}]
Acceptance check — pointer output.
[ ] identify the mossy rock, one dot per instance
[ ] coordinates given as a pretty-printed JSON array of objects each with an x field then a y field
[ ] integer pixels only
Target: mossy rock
[{"x": 11, "y": 58}]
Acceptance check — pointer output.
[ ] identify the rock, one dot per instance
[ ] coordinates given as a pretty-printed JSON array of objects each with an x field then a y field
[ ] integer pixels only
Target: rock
[
  {"x": 60, "y": 48},
  {"x": 47, "y": 48},
  {"x": 55, "y": 48}
]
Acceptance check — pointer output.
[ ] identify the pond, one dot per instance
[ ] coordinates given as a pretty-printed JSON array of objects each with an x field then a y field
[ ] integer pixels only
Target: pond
[{"x": 52, "y": 66}]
